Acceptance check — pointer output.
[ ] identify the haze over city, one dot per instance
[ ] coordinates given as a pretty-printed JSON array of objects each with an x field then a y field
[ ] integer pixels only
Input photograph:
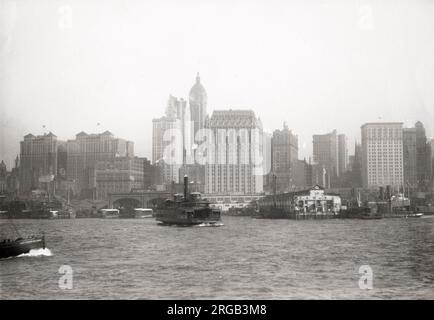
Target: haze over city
[{"x": 70, "y": 66}]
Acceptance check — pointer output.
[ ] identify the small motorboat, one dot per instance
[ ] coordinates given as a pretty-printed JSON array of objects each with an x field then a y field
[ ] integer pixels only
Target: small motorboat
[{"x": 12, "y": 248}]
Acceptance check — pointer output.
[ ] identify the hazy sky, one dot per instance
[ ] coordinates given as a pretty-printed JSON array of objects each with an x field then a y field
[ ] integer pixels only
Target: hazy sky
[{"x": 318, "y": 65}]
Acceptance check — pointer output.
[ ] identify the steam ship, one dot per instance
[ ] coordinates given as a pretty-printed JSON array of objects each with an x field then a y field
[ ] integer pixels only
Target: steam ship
[{"x": 187, "y": 209}]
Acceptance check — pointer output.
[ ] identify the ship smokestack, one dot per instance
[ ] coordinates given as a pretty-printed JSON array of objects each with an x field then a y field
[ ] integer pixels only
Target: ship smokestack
[
  {"x": 274, "y": 189},
  {"x": 185, "y": 187}
]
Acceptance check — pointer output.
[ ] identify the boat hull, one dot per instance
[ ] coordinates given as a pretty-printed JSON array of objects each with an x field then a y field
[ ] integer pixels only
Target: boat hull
[
  {"x": 15, "y": 248},
  {"x": 180, "y": 217}
]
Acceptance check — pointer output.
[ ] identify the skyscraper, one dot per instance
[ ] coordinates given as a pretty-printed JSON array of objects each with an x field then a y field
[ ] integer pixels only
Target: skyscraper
[
  {"x": 13, "y": 178},
  {"x": 3, "y": 174},
  {"x": 83, "y": 154},
  {"x": 284, "y": 148},
  {"x": 326, "y": 154},
  {"x": 231, "y": 167},
  {"x": 198, "y": 105},
  {"x": 356, "y": 176},
  {"x": 409, "y": 156},
  {"x": 432, "y": 162},
  {"x": 342, "y": 153},
  {"x": 423, "y": 158},
  {"x": 172, "y": 139},
  {"x": 382, "y": 155},
  {"x": 38, "y": 165}
]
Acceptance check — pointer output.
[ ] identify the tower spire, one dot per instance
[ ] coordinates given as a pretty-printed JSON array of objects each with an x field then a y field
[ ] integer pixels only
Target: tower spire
[{"x": 197, "y": 78}]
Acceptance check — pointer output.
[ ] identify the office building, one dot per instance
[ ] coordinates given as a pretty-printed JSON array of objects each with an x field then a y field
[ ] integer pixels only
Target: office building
[
  {"x": 38, "y": 162},
  {"x": 85, "y": 151},
  {"x": 284, "y": 157},
  {"x": 382, "y": 155},
  {"x": 232, "y": 165}
]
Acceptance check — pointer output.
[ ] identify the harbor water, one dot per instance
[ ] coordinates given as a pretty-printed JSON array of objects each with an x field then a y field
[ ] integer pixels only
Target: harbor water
[{"x": 244, "y": 259}]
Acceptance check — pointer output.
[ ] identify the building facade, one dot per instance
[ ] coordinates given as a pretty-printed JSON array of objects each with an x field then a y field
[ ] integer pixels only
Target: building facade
[
  {"x": 342, "y": 154},
  {"x": 38, "y": 162},
  {"x": 284, "y": 157},
  {"x": 234, "y": 153},
  {"x": 167, "y": 134},
  {"x": 382, "y": 155},
  {"x": 85, "y": 151},
  {"x": 198, "y": 105},
  {"x": 432, "y": 162},
  {"x": 119, "y": 175},
  {"x": 423, "y": 158},
  {"x": 3, "y": 177},
  {"x": 409, "y": 156},
  {"x": 302, "y": 174},
  {"x": 355, "y": 179},
  {"x": 12, "y": 179},
  {"x": 326, "y": 154}
]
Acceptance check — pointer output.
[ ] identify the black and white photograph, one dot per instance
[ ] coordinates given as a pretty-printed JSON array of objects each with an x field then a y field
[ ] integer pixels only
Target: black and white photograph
[{"x": 244, "y": 150}]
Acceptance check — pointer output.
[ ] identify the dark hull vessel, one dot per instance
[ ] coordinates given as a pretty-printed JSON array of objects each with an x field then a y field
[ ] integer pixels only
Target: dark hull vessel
[
  {"x": 19, "y": 246},
  {"x": 187, "y": 216},
  {"x": 249, "y": 211},
  {"x": 271, "y": 213},
  {"x": 187, "y": 210},
  {"x": 364, "y": 213}
]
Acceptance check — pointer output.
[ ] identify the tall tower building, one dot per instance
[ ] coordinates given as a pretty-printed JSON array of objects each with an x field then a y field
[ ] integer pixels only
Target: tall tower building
[
  {"x": 3, "y": 172},
  {"x": 38, "y": 156},
  {"x": 432, "y": 161},
  {"x": 284, "y": 148},
  {"x": 198, "y": 104},
  {"x": 169, "y": 167},
  {"x": 423, "y": 158},
  {"x": 382, "y": 155},
  {"x": 326, "y": 154},
  {"x": 356, "y": 167},
  {"x": 172, "y": 131},
  {"x": 342, "y": 153},
  {"x": 409, "y": 156},
  {"x": 231, "y": 167}
]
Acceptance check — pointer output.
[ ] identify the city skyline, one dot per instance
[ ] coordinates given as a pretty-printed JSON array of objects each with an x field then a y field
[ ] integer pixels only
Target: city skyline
[
  {"x": 303, "y": 80},
  {"x": 207, "y": 150}
]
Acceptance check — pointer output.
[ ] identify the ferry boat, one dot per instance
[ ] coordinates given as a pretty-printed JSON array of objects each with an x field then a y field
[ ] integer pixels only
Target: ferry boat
[{"x": 188, "y": 209}]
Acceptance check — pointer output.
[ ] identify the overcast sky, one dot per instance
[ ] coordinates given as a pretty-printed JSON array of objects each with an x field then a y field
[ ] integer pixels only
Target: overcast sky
[{"x": 318, "y": 65}]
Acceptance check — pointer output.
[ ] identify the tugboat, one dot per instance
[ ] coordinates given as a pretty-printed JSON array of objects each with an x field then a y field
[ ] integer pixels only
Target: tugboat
[{"x": 187, "y": 210}]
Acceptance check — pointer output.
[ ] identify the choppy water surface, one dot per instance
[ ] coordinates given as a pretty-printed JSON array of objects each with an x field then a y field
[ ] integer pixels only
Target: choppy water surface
[{"x": 244, "y": 259}]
